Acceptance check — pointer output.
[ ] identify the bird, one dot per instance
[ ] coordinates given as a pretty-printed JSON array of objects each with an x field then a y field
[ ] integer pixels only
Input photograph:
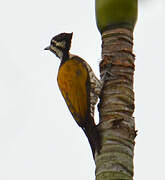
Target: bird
[{"x": 79, "y": 86}]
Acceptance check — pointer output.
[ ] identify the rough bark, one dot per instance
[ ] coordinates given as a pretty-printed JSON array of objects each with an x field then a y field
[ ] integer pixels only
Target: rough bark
[{"x": 116, "y": 107}]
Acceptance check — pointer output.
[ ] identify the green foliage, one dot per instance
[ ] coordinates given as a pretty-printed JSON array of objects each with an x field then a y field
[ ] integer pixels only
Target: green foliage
[{"x": 116, "y": 14}]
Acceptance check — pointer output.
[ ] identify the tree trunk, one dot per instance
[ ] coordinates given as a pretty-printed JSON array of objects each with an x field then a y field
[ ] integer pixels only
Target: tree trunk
[{"x": 116, "y": 126}]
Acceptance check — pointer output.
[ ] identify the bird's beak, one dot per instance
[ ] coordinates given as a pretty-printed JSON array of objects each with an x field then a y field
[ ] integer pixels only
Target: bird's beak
[{"x": 47, "y": 48}]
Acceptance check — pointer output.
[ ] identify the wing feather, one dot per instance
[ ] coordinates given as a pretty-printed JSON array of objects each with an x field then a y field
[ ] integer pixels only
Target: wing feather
[{"x": 73, "y": 82}]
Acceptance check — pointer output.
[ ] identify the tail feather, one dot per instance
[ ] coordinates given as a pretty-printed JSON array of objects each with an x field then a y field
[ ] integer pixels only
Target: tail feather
[{"x": 93, "y": 138}]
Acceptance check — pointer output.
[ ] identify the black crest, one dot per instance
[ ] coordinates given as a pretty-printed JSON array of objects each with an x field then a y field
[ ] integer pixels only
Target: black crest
[{"x": 63, "y": 37}]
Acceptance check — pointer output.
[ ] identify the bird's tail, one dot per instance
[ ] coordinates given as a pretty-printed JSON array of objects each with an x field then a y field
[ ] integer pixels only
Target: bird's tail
[{"x": 93, "y": 137}]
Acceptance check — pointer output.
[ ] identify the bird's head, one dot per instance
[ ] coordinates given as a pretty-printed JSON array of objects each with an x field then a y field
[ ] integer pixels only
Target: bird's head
[{"x": 60, "y": 45}]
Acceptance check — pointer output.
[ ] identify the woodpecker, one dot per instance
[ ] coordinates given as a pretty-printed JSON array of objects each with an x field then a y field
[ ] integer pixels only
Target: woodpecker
[{"x": 79, "y": 87}]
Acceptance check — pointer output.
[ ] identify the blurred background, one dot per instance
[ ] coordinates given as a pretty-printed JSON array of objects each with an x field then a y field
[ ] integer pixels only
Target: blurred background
[{"x": 38, "y": 137}]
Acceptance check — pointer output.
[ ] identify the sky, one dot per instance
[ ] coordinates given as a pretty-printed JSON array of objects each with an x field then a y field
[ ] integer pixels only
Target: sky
[{"x": 38, "y": 136}]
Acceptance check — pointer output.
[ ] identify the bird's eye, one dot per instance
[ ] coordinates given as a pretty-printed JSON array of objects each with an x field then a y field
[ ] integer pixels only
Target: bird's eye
[{"x": 53, "y": 43}]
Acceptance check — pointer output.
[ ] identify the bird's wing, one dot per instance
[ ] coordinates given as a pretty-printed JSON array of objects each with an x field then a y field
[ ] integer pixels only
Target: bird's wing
[{"x": 73, "y": 81}]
